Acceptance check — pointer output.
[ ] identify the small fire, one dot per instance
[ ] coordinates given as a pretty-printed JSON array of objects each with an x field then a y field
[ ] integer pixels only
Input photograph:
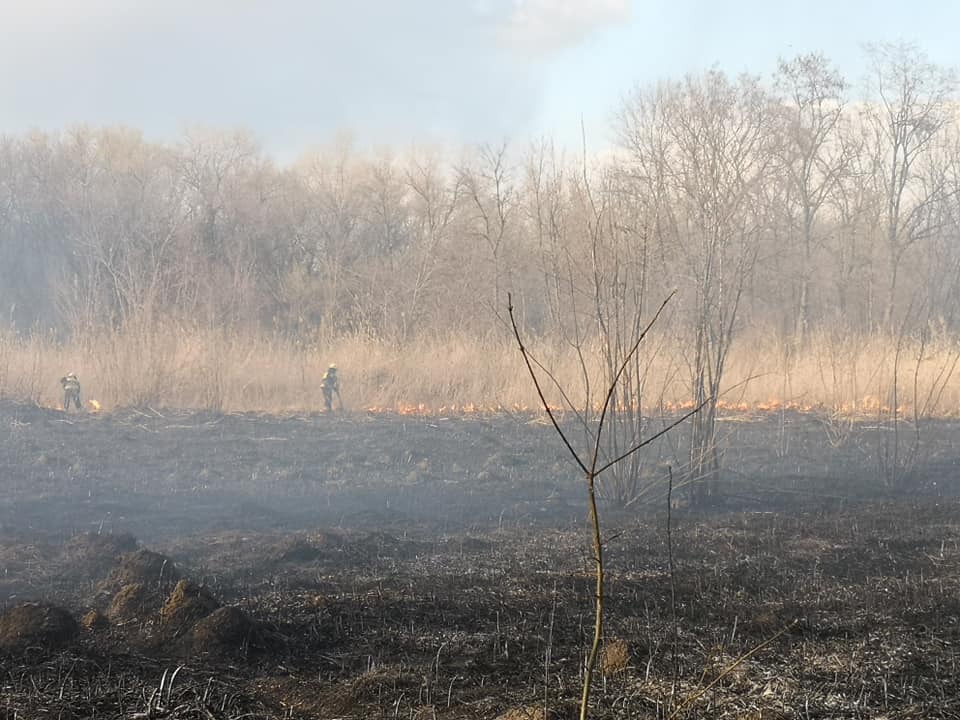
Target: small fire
[
  {"x": 864, "y": 406},
  {"x": 94, "y": 406},
  {"x": 423, "y": 409}
]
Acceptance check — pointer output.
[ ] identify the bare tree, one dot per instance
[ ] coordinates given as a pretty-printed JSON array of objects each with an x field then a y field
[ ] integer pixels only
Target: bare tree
[
  {"x": 593, "y": 259},
  {"x": 701, "y": 153},
  {"x": 912, "y": 107},
  {"x": 811, "y": 156},
  {"x": 854, "y": 209},
  {"x": 434, "y": 203},
  {"x": 330, "y": 231},
  {"x": 490, "y": 187},
  {"x": 618, "y": 283}
]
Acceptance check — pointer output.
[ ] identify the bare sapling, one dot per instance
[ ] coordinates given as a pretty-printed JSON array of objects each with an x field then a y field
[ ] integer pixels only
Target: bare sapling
[{"x": 593, "y": 464}]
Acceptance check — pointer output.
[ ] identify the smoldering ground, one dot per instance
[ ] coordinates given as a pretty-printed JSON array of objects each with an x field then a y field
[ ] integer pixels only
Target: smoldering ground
[{"x": 348, "y": 566}]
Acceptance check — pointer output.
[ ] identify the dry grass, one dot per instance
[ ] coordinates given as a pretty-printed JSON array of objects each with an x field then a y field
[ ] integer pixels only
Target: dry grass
[
  {"x": 616, "y": 656},
  {"x": 167, "y": 367}
]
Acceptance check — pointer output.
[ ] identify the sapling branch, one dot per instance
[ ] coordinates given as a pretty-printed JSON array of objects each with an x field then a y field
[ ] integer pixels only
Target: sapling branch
[{"x": 592, "y": 466}]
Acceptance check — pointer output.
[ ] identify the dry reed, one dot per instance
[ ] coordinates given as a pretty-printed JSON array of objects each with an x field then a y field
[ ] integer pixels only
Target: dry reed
[{"x": 170, "y": 367}]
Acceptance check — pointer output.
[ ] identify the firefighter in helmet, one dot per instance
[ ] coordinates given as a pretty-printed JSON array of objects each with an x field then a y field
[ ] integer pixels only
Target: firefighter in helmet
[
  {"x": 71, "y": 390},
  {"x": 330, "y": 384}
]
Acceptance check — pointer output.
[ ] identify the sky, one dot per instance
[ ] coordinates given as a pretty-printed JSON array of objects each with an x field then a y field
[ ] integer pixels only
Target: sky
[{"x": 298, "y": 73}]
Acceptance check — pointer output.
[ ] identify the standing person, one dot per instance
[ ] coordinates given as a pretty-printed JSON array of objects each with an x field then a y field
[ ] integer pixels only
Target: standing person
[
  {"x": 331, "y": 385},
  {"x": 71, "y": 390}
]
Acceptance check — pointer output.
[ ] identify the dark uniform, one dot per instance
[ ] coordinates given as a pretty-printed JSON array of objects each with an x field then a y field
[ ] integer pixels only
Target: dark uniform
[
  {"x": 71, "y": 391},
  {"x": 331, "y": 385}
]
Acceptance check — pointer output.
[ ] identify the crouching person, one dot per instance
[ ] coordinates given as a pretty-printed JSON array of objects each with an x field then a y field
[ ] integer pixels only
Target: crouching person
[{"x": 71, "y": 391}]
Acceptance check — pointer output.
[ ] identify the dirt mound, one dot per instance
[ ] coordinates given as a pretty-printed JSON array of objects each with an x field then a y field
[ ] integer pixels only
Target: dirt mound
[
  {"x": 297, "y": 551},
  {"x": 225, "y": 629},
  {"x": 131, "y": 601},
  {"x": 380, "y": 544},
  {"x": 36, "y": 624},
  {"x": 187, "y": 604},
  {"x": 145, "y": 567},
  {"x": 93, "y": 555},
  {"x": 344, "y": 696},
  {"x": 16, "y": 557},
  {"x": 308, "y": 548},
  {"x": 94, "y": 620}
]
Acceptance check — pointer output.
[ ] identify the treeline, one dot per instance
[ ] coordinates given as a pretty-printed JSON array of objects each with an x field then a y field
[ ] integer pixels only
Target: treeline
[{"x": 798, "y": 204}]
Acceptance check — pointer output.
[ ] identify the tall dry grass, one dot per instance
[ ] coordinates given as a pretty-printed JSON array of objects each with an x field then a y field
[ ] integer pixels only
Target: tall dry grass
[{"x": 170, "y": 367}]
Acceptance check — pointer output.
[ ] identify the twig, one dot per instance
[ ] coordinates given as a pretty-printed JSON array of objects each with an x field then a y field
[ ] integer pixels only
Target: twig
[
  {"x": 536, "y": 384},
  {"x": 673, "y": 585}
]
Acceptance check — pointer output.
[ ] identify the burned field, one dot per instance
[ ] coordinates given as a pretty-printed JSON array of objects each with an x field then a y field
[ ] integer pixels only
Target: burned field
[{"x": 188, "y": 565}]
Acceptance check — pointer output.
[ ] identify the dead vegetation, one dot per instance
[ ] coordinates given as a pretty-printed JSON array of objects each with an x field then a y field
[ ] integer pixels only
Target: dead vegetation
[
  {"x": 458, "y": 629},
  {"x": 461, "y": 597}
]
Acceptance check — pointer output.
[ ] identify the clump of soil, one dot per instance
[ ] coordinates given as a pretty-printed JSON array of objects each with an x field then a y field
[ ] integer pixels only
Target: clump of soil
[
  {"x": 341, "y": 697},
  {"x": 379, "y": 544},
  {"x": 187, "y": 604},
  {"x": 308, "y": 549},
  {"x": 94, "y": 620},
  {"x": 144, "y": 567},
  {"x": 36, "y": 624},
  {"x": 297, "y": 551},
  {"x": 17, "y": 557},
  {"x": 317, "y": 602},
  {"x": 137, "y": 585},
  {"x": 131, "y": 601},
  {"x": 225, "y": 629},
  {"x": 93, "y": 555}
]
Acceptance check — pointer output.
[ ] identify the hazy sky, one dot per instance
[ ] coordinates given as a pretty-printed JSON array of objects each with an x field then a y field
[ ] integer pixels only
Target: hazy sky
[{"x": 296, "y": 72}]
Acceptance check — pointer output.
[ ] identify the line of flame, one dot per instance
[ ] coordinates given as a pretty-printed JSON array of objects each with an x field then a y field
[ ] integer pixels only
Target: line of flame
[{"x": 865, "y": 406}]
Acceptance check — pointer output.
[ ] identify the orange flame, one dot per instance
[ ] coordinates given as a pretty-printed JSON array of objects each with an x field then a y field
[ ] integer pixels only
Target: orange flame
[
  {"x": 865, "y": 406},
  {"x": 95, "y": 406}
]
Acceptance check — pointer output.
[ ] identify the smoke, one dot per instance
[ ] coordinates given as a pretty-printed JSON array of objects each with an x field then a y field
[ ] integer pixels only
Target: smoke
[
  {"x": 294, "y": 72},
  {"x": 542, "y": 27}
]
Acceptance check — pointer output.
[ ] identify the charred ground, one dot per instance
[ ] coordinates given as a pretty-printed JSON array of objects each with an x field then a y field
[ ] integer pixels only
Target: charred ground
[{"x": 384, "y": 566}]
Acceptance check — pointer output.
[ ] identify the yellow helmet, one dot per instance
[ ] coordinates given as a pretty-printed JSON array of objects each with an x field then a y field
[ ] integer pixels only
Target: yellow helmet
[{"x": 332, "y": 367}]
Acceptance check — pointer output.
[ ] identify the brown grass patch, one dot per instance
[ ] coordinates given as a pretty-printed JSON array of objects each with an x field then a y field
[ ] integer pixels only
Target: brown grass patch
[
  {"x": 531, "y": 712},
  {"x": 615, "y": 657}
]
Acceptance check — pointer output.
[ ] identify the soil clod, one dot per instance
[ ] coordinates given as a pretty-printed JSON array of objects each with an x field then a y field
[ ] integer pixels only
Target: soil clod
[
  {"x": 30, "y": 624},
  {"x": 187, "y": 604}
]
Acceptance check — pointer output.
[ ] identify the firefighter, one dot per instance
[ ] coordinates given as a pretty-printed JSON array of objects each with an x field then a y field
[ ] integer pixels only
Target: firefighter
[
  {"x": 331, "y": 386},
  {"x": 71, "y": 390}
]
